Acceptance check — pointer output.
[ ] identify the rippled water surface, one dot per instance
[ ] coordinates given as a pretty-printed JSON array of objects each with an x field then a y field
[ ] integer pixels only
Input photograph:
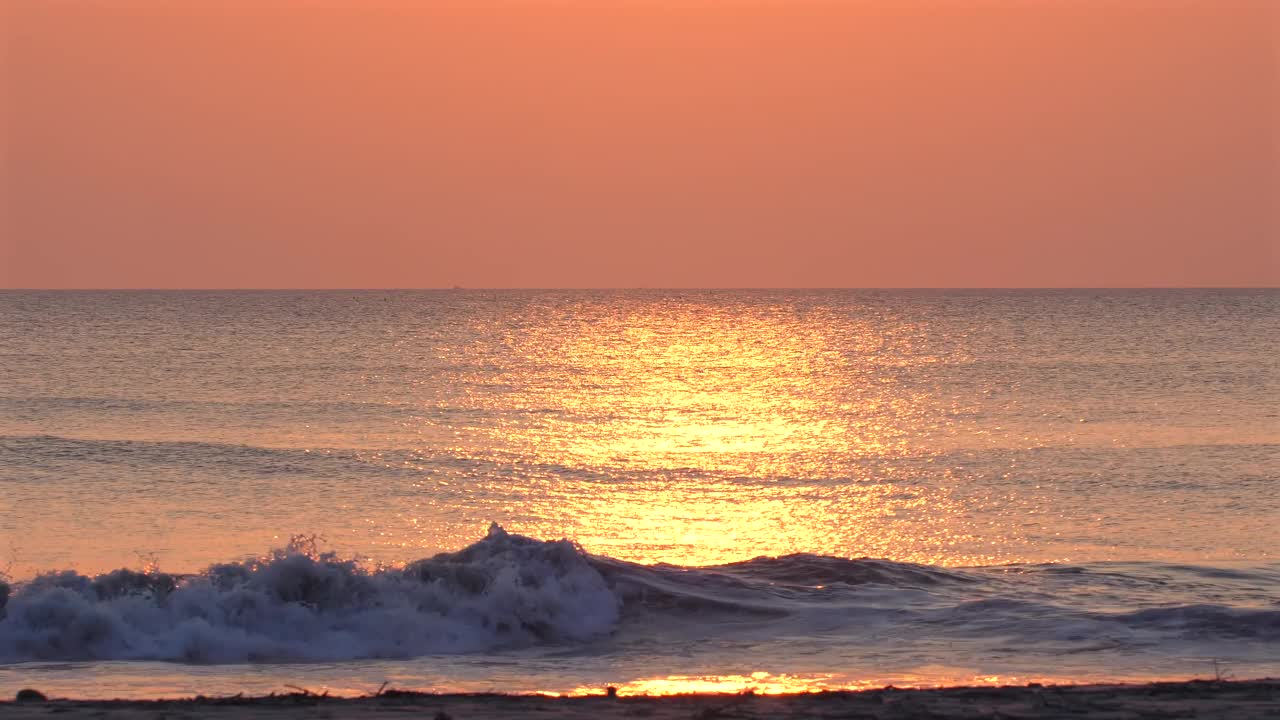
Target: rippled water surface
[{"x": 1056, "y": 484}]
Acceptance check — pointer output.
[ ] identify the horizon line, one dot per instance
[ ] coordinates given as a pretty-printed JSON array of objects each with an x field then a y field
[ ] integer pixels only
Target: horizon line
[{"x": 457, "y": 288}]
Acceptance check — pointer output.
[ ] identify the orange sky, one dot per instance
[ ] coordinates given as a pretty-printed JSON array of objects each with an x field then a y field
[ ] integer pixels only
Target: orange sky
[{"x": 657, "y": 143}]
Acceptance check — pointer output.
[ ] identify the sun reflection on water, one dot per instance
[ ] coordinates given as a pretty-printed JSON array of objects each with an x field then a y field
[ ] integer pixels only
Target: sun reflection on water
[
  {"x": 681, "y": 432},
  {"x": 748, "y": 394},
  {"x": 766, "y": 683},
  {"x": 761, "y": 683}
]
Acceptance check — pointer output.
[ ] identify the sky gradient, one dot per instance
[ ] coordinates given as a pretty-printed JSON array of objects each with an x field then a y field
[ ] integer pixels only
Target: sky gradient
[{"x": 641, "y": 143}]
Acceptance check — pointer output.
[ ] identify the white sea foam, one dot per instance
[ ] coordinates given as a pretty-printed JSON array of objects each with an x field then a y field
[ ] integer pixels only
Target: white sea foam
[{"x": 504, "y": 591}]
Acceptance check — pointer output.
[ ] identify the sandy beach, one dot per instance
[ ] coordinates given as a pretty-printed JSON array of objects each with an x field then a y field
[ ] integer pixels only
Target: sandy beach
[{"x": 1197, "y": 698}]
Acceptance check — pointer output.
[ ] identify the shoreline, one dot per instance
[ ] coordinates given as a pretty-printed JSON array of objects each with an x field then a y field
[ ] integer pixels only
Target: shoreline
[{"x": 1189, "y": 698}]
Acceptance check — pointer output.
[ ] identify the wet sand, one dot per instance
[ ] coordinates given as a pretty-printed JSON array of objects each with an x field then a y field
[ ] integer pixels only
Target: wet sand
[{"x": 1197, "y": 698}]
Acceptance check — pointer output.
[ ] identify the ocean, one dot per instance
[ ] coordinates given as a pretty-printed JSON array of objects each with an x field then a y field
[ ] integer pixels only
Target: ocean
[{"x": 663, "y": 491}]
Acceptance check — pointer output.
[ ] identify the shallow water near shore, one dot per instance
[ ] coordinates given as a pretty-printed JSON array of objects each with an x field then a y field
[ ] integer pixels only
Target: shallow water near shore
[{"x": 773, "y": 489}]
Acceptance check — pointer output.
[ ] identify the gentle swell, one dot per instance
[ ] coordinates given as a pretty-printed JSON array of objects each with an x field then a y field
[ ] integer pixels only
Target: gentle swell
[{"x": 198, "y": 456}]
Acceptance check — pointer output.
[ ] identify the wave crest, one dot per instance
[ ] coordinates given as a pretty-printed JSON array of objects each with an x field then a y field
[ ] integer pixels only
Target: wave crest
[{"x": 501, "y": 592}]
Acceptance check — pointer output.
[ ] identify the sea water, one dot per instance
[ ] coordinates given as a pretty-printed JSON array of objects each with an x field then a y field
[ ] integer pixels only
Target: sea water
[{"x": 216, "y": 492}]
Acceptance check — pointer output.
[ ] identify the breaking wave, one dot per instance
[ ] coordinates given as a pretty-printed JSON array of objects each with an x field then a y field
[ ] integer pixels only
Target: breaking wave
[
  {"x": 504, "y": 591},
  {"x": 507, "y": 592}
]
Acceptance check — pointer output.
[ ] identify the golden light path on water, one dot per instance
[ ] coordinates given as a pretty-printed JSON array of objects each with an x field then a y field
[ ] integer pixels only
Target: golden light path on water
[
  {"x": 741, "y": 394},
  {"x": 759, "y": 430},
  {"x": 766, "y": 683}
]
